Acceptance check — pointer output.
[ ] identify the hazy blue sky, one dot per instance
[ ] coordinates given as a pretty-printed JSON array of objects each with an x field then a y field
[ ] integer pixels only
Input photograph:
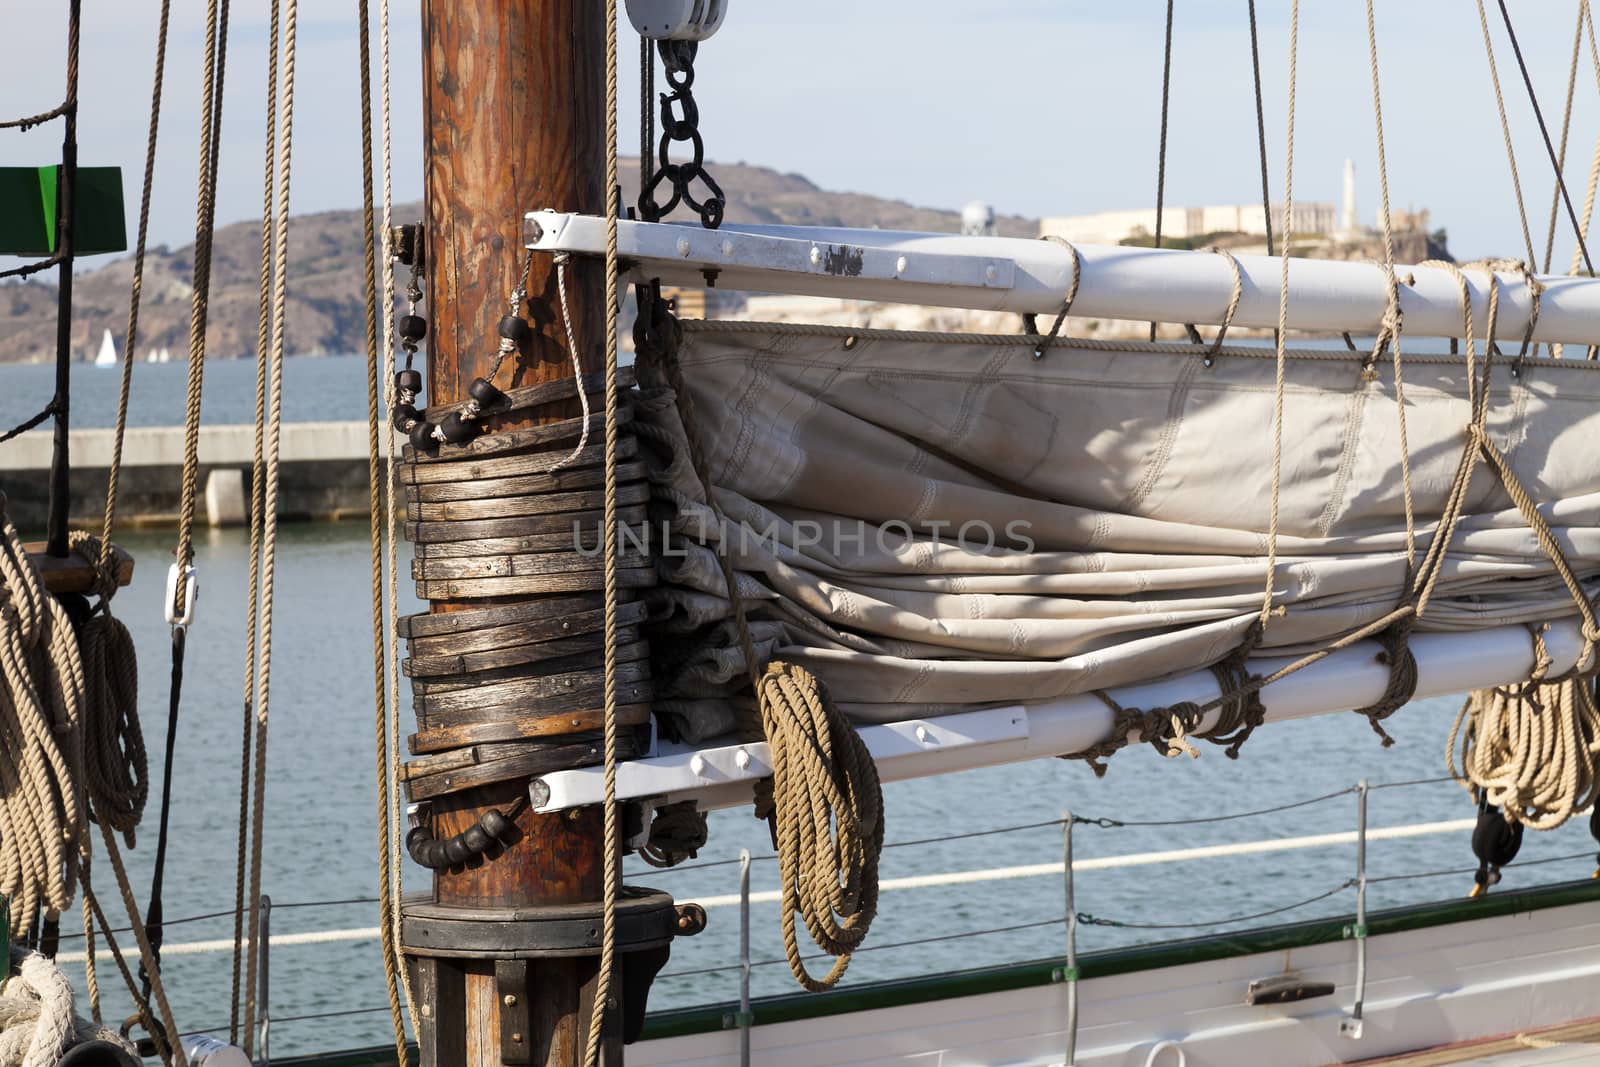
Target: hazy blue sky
[{"x": 1039, "y": 106}]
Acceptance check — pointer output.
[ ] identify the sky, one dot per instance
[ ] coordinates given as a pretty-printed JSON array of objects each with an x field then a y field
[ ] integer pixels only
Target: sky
[{"x": 1040, "y": 107}]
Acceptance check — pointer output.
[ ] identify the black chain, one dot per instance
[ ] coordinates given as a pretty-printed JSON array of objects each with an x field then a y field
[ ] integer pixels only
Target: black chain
[{"x": 680, "y": 121}]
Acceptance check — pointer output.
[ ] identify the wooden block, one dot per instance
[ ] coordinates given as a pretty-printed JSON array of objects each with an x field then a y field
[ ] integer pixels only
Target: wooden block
[{"x": 74, "y": 574}]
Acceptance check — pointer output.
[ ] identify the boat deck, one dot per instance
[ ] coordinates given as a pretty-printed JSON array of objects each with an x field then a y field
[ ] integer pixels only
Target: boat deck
[{"x": 1570, "y": 1043}]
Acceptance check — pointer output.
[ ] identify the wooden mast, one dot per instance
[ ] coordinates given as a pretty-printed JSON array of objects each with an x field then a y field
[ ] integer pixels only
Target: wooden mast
[{"x": 514, "y": 93}]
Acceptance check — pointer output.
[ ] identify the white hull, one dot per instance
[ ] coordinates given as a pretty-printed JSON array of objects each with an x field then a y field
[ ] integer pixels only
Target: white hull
[{"x": 1427, "y": 987}]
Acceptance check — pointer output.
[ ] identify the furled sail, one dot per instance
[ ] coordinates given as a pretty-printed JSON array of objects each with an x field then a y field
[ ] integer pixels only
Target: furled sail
[{"x": 932, "y": 523}]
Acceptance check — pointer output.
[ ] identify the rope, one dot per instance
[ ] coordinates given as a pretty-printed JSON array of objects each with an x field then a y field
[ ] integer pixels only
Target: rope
[
  {"x": 562, "y": 260},
  {"x": 41, "y": 753},
  {"x": 1544, "y": 131},
  {"x": 115, "y": 763},
  {"x": 604, "y": 1001},
  {"x": 1566, "y": 129},
  {"x": 115, "y": 759},
  {"x": 1066, "y": 301},
  {"x": 824, "y": 799},
  {"x": 1594, "y": 163},
  {"x": 1389, "y": 334},
  {"x": 1261, "y": 125},
  {"x": 269, "y": 545},
  {"x": 375, "y": 525},
  {"x": 29, "y": 423},
  {"x": 257, "y": 522},
  {"x": 396, "y": 803},
  {"x": 1531, "y": 750},
  {"x": 1161, "y": 149},
  {"x": 1283, "y": 319},
  {"x": 1505, "y": 131},
  {"x": 38, "y": 1022}
]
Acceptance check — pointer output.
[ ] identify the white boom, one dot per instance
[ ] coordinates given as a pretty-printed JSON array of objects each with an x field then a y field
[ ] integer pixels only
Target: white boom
[
  {"x": 1028, "y": 276},
  {"x": 719, "y": 776}
]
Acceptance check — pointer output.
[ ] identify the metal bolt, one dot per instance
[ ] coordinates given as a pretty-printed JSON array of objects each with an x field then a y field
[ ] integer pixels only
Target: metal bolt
[
  {"x": 727, "y": 248},
  {"x": 683, "y": 247},
  {"x": 515, "y": 1035},
  {"x": 697, "y": 764},
  {"x": 816, "y": 256},
  {"x": 572, "y": 814},
  {"x": 989, "y": 273},
  {"x": 741, "y": 759},
  {"x": 510, "y": 1000},
  {"x": 901, "y": 264},
  {"x": 922, "y": 734}
]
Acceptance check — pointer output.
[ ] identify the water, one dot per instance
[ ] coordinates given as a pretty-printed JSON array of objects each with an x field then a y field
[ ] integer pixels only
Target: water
[
  {"x": 321, "y": 845},
  {"x": 314, "y": 390}
]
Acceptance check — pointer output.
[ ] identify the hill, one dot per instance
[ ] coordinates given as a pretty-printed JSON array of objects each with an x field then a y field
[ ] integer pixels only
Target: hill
[{"x": 325, "y": 312}]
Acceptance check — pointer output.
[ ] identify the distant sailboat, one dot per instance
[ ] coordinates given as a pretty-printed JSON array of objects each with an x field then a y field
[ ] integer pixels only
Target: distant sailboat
[
  {"x": 165, "y": 356},
  {"x": 108, "y": 352}
]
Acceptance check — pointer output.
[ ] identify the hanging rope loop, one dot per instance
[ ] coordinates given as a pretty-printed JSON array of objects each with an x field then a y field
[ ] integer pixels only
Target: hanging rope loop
[{"x": 1066, "y": 301}]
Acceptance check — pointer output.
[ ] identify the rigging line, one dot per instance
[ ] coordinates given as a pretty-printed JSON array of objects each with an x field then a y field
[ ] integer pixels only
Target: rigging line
[
  {"x": 42, "y": 117},
  {"x": 1505, "y": 130},
  {"x": 1091, "y": 920},
  {"x": 28, "y": 424},
  {"x": 1283, "y": 318},
  {"x": 66, "y": 216},
  {"x": 257, "y": 520},
  {"x": 171, "y": 1051},
  {"x": 1161, "y": 148},
  {"x": 613, "y": 850},
  {"x": 1544, "y": 131},
  {"x": 153, "y": 908},
  {"x": 269, "y": 544},
  {"x": 1594, "y": 165},
  {"x": 647, "y": 91},
  {"x": 1566, "y": 129},
  {"x": 396, "y": 799},
  {"x": 1261, "y": 126},
  {"x": 31, "y": 268},
  {"x": 375, "y": 527},
  {"x": 212, "y": 93},
  {"x": 1390, "y": 333},
  {"x": 131, "y": 336}
]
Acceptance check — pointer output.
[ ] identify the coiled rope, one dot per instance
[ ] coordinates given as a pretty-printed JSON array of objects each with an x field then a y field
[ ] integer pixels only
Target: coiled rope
[
  {"x": 1531, "y": 750},
  {"x": 824, "y": 799},
  {"x": 38, "y": 1022},
  {"x": 41, "y": 743}
]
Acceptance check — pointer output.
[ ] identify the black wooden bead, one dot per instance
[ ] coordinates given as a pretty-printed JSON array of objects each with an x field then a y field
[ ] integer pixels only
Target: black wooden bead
[
  {"x": 514, "y": 328},
  {"x": 422, "y": 436},
  {"x": 483, "y": 391},
  {"x": 405, "y": 416},
  {"x": 456, "y": 430},
  {"x": 408, "y": 379},
  {"x": 413, "y": 327}
]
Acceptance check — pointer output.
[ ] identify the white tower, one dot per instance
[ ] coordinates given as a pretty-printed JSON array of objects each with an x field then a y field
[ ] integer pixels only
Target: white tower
[{"x": 1349, "y": 221}]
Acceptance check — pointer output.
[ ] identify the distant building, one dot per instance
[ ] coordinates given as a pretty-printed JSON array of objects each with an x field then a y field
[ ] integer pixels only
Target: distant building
[
  {"x": 977, "y": 219},
  {"x": 1187, "y": 223}
]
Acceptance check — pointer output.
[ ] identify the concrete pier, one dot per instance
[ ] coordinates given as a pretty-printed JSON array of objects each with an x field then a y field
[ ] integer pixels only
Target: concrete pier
[{"x": 323, "y": 474}]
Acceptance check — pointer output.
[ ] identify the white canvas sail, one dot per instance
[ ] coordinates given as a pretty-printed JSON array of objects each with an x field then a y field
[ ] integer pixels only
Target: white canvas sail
[
  {"x": 863, "y": 475},
  {"x": 107, "y": 356}
]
